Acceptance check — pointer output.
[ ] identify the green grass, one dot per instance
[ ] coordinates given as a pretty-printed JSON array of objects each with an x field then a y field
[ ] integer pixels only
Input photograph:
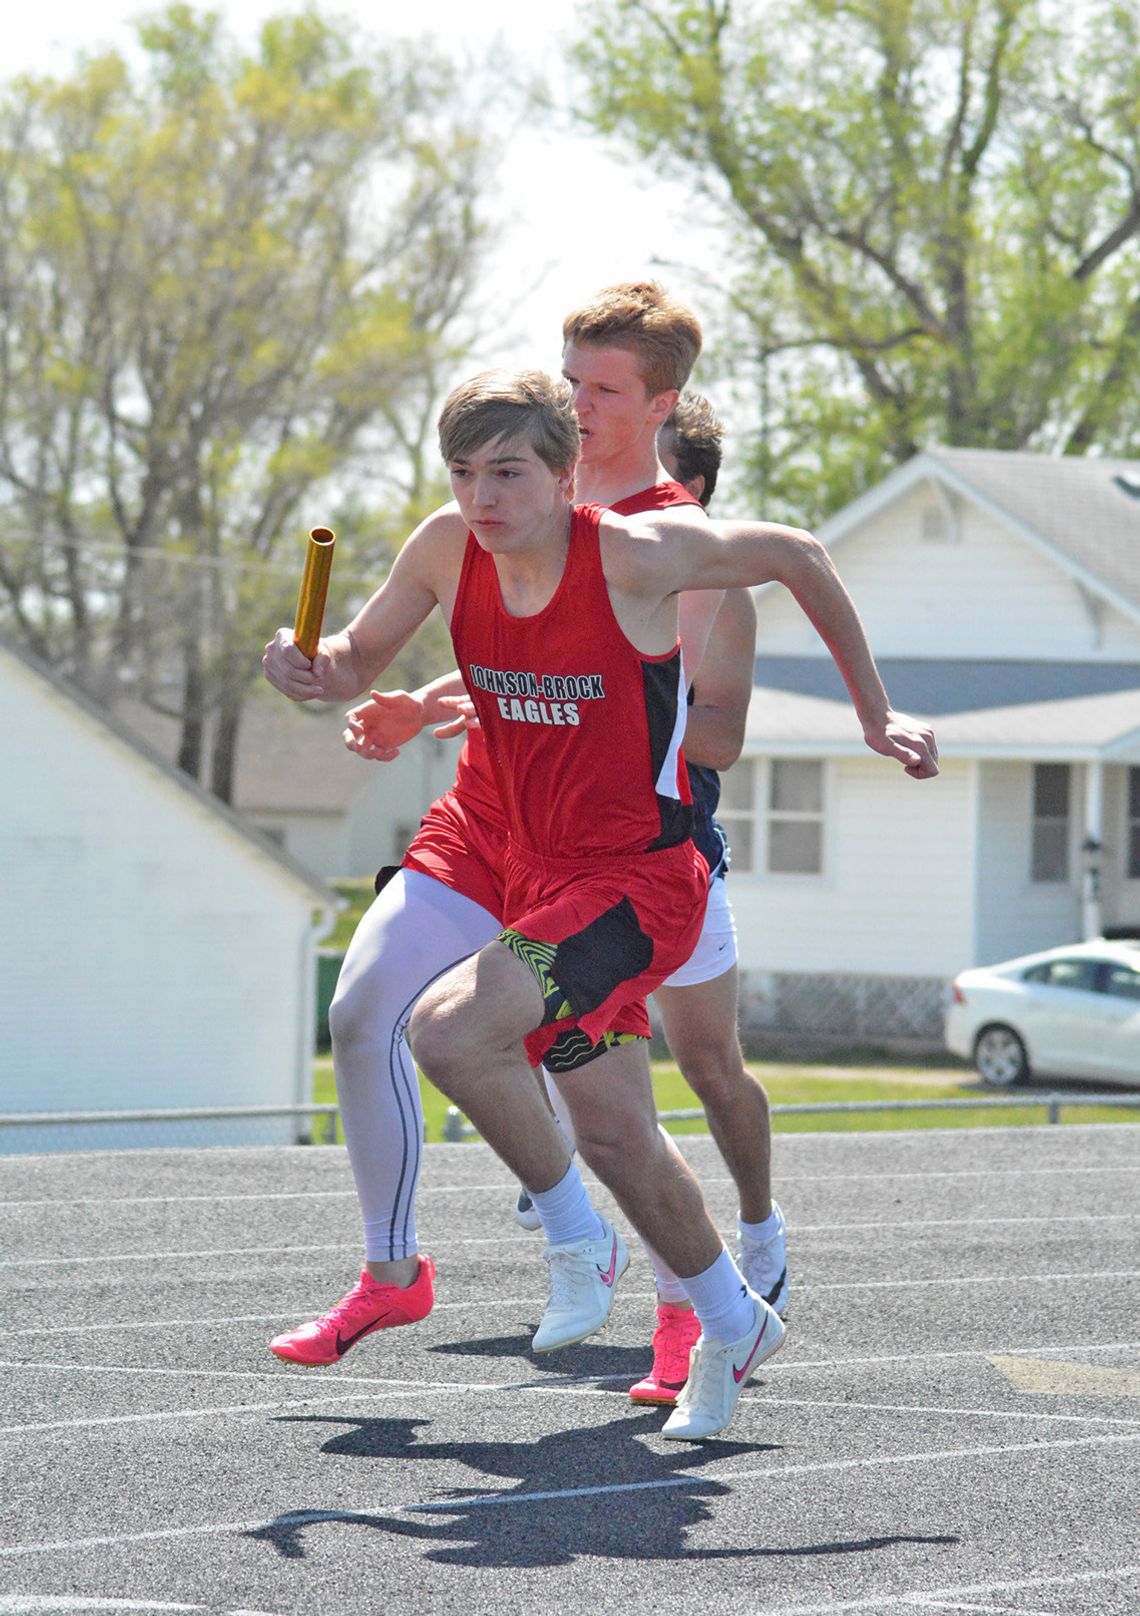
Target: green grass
[
  {"x": 358, "y": 895},
  {"x": 807, "y": 1083}
]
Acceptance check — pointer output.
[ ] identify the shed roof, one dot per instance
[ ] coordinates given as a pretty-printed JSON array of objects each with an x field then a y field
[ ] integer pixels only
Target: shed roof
[
  {"x": 125, "y": 735},
  {"x": 290, "y": 757}
]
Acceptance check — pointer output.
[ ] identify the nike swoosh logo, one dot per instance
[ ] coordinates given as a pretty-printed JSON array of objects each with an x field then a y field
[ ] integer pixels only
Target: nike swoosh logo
[
  {"x": 344, "y": 1342},
  {"x": 739, "y": 1374},
  {"x": 608, "y": 1274}
]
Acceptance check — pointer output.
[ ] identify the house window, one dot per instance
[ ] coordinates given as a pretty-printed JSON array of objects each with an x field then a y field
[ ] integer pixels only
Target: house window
[
  {"x": 1051, "y": 793},
  {"x": 737, "y": 813},
  {"x": 795, "y": 817},
  {"x": 1134, "y": 824}
]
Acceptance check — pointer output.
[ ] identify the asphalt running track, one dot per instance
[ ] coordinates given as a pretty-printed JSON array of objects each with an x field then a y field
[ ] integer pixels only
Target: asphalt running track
[{"x": 953, "y": 1424}]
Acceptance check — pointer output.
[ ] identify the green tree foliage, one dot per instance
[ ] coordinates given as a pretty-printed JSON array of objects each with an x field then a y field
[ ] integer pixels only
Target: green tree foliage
[
  {"x": 231, "y": 283},
  {"x": 935, "y": 215}
]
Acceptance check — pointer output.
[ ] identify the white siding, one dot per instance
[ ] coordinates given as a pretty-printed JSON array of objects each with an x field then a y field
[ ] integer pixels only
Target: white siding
[
  {"x": 1017, "y": 915},
  {"x": 1120, "y": 896},
  {"x": 895, "y": 895},
  {"x": 990, "y": 594},
  {"x": 386, "y": 815},
  {"x": 319, "y": 841},
  {"x": 376, "y": 823},
  {"x": 151, "y": 957}
]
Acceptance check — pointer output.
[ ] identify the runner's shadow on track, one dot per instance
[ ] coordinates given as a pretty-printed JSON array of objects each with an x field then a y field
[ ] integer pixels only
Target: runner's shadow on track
[
  {"x": 590, "y": 1358},
  {"x": 563, "y": 1503},
  {"x": 578, "y": 1493},
  {"x": 489, "y": 1346}
]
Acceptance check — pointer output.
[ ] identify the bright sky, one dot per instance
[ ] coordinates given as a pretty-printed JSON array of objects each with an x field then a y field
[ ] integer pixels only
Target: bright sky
[{"x": 576, "y": 217}]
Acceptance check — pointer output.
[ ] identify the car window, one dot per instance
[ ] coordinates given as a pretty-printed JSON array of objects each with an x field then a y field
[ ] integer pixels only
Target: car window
[
  {"x": 1123, "y": 981},
  {"x": 1065, "y": 973}
]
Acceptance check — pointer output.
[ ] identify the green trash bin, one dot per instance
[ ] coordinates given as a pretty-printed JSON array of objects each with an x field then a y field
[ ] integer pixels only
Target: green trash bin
[{"x": 329, "y": 962}]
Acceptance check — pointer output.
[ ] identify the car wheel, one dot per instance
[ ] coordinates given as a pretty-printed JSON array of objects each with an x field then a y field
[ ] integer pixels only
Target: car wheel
[{"x": 999, "y": 1056}]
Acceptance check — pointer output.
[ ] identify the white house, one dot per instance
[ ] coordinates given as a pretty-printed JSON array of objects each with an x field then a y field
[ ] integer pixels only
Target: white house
[
  {"x": 156, "y": 953},
  {"x": 1001, "y": 596}
]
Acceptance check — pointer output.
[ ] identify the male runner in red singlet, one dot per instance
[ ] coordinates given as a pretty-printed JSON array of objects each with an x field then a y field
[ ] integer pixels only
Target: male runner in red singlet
[
  {"x": 557, "y": 614},
  {"x": 698, "y": 1003},
  {"x": 446, "y": 901}
]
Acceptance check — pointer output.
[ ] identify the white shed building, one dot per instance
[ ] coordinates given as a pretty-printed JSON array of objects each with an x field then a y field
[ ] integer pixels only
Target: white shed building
[{"x": 156, "y": 952}]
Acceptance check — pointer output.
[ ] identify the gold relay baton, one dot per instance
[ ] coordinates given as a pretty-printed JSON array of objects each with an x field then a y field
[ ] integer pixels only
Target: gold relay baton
[{"x": 314, "y": 589}]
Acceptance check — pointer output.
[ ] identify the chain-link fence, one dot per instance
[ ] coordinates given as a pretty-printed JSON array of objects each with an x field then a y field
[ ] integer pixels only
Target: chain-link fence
[{"x": 848, "y": 1008}]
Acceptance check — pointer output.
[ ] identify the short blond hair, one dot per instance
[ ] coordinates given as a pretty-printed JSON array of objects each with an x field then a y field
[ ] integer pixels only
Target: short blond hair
[
  {"x": 663, "y": 335},
  {"x": 513, "y": 405}
]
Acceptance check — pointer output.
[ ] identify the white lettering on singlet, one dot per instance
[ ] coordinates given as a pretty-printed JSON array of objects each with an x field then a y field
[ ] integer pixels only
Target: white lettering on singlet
[
  {"x": 534, "y": 711},
  {"x": 555, "y": 688}
]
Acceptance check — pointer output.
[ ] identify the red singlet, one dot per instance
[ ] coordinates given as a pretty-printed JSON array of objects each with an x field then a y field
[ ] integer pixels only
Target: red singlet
[
  {"x": 605, "y": 892},
  {"x": 462, "y": 840}
]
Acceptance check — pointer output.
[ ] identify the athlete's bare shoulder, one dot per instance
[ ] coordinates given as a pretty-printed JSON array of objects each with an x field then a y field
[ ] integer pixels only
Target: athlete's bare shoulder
[
  {"x": 443, "y": 526},
  {"x": 629, "y": 545},
  {"x": 438, "y": 541},
  {"x": 682, "y": 515},
  {"x": 638, "y": 552}
]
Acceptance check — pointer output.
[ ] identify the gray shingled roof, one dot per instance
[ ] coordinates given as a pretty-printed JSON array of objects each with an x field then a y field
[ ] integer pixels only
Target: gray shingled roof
[
  {"x": 936, "y": 685},
  {"x": 1057, "y": 711},
  {"x": 1081, "y": 504}
]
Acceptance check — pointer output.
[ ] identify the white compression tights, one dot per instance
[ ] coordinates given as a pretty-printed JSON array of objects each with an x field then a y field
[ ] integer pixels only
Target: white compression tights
[{"x": 414, "y": 932}]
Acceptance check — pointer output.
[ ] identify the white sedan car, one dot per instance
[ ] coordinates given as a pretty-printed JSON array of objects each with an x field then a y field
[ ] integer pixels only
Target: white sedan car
[{"x": 1066, "y": 1012}]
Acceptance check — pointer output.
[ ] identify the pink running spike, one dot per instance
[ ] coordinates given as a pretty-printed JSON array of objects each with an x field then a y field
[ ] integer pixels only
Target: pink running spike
[{"x": 367, "y": 1307}]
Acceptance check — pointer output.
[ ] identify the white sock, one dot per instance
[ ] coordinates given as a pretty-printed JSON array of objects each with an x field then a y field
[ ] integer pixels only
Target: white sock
[
  {"x": 760, "y": 1231},
  {"x": 566, "y": 1213},
  {"x": 721, "y": 1301},
  {"x": 670, "y": 1289},
  {"x": 561, "y": 1111}
]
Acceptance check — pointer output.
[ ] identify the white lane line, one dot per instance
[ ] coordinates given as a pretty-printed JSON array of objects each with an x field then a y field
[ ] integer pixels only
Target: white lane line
[
  {"x": 162, "y": 1324},
  {"x": 65, "y": 1204},
  {"x": 202, "y": 1374},
  {"x": 931, "y": 1598},
  {"x": 939, "y": 1411},
  {"x": 390, "y": 1389},
  {"x": 955, "y": 1605},
  {"x": 166, "y": 1256},
  {"x": 965, "y": 1279},
  {"x": 801, "y": 1288},
  {"x": 502, "y": 1186},
  {"x": 772, "y": 1473},
  {"x": 768, "y": 1474},
  {"x": 10, "y": 1604},
  {"x": 570, "y": 1385},
  {"x": 506, "y": 1186},
  {"x": 963, "y": 1223},
  {"x": 785, "y": 1367},
  {"x": 519, "y": 1237}
]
